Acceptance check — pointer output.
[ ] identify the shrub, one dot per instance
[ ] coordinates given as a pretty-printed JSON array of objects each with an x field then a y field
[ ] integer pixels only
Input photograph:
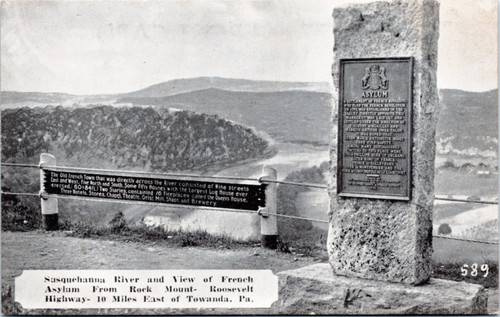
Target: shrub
[
  {"x": 449, "y": 164},
  {"x": 20, "y": 218},
  {"x": 118, "y": 222},
  {"x": 473, "y": 197},
  {"x": 444, "y": 228},
  {"x": 9, "y": 306}
]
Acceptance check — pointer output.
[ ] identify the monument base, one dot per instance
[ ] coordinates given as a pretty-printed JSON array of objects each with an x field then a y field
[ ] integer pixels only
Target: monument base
[{"x": 315, "y": 289}]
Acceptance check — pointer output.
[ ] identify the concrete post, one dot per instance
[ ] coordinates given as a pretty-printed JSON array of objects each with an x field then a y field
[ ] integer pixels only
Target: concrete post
[
  {"x": 50, "y": 216},
  {"x": 269, "y": 223}
]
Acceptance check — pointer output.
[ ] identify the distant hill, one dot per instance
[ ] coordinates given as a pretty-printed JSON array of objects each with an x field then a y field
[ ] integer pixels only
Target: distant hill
[
  {"x": 9, "y": 97},
  {"x": 17, "y": 99},
  {"x": 468, "y": 121},
  {"x": 167, "y": 88},
  {"x": 127, "y": 138},
  {"x": 297, "y": 116},
  {"x": 179, "y": 86}
]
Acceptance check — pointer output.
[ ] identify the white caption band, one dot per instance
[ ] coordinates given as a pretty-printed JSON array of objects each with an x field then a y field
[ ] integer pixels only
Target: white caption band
[{"x": 146, "y": 289}]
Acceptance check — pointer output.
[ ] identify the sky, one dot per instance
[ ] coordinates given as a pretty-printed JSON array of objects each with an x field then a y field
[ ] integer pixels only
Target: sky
[{"x": 94, "y": 47}]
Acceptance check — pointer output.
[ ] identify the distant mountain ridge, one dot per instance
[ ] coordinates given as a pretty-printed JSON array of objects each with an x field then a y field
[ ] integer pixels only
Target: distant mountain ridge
[
  {"x": 288, "y": 116},
  {"x": 167, "y": 88},
  {"x": 17, "y": 99},
  {"x": 8, "y": 97},
  {"x": 178, "y": 86}
]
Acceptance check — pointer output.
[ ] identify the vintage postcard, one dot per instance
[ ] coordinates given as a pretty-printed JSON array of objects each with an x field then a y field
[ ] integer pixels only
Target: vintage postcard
[{"x": 332, "y": 157}]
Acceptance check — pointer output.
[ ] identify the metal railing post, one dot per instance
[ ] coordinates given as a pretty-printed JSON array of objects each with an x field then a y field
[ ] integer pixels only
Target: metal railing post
[
  {"x": 50, "y": 216},
  {"x": 269, "y": 223}
]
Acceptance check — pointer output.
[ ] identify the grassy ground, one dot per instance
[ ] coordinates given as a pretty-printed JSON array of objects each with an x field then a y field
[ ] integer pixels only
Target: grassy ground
[
  {"x": 487, "y": 273},
  {"x": 453, "y": 251},
  {"x": 119, "y": 230}
]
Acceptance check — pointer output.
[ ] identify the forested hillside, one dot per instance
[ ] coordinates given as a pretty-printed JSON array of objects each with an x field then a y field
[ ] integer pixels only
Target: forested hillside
[{"x": 126, "y": 138}]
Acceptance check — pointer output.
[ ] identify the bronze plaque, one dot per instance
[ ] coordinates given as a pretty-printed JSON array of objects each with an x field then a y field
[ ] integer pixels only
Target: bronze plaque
[{"x": 375, "y": 114}]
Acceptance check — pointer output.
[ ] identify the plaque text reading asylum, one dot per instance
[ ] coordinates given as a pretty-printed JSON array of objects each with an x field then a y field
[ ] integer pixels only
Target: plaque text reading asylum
[{"x": 374, "y": 146}]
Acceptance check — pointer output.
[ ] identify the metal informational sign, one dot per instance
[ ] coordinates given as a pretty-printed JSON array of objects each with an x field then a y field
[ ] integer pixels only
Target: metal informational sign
[
  {"x": 155, "y": 190},
  {"x": 375, "y": 128}
]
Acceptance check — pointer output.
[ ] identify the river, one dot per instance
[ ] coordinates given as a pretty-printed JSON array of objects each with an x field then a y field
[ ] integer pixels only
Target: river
[
  {"x": 290, "y": 157},
  {"x": 312, "y": 204}
]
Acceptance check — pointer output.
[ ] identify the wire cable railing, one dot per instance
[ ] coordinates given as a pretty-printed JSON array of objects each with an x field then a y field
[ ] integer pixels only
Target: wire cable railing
[
  {"x": 59, "y": 168},
  {"x": 292, "y": 217},
  {"x": 321, "y": 186},
  {"x": 21, "y": 165},
  {"x": 261, "y": 180},
  {"x": 231, "y": 210},
  {"x": 20, "y": 194},
  {"x": 468, "y": 200},
  {"x": 467, "y": 240}
]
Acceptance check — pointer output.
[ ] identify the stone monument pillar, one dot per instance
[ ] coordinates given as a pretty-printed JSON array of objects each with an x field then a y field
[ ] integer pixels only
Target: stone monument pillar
[
  {"x": 380, "y": 235},
  {"x": 386, "y": 108}
]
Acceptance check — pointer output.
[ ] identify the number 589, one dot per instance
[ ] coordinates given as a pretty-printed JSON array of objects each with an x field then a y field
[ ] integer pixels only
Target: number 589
[{"x": 473, "y": 270}]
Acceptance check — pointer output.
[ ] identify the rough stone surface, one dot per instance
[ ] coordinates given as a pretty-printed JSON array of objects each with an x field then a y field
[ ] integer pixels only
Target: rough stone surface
[
  {"x": 384, "y": 239},
  {"x": 314, "y": 289}
]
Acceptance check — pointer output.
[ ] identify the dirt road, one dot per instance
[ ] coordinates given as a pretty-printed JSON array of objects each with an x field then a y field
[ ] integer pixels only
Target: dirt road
[{"x": 49, "y": 251}]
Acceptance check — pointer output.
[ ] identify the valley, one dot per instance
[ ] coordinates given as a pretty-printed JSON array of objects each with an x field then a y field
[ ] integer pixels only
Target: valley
[{"x": 292, "y": 118}]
